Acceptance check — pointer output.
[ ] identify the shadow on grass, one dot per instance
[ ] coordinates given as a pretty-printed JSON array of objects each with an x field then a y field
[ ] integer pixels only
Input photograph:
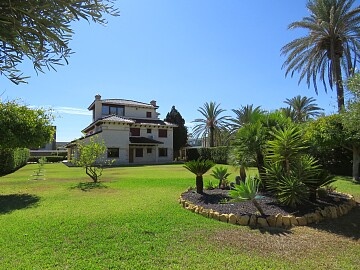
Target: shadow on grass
[
  {"x": 11, "y": 202},
  {"x": 347, "y": 225},
  {"x": 87, "y": 186},
  {"x": 274, "y": 231}
]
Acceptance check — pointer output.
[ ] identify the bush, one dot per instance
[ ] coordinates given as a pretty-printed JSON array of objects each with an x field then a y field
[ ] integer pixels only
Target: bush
[
  {"x": 13, "y": 159},
  {"x": 216, "y": 154},
  {"x": 48, "y": 158}
]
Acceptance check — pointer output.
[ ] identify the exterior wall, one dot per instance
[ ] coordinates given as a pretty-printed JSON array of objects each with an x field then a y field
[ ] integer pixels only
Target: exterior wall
[{"x": 139, "y": 112}]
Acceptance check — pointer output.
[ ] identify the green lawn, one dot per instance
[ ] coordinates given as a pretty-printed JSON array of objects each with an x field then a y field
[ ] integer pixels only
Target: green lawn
[{"x": 133, "y": 221}]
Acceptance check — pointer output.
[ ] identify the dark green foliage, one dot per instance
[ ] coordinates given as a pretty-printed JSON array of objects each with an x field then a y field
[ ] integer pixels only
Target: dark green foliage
[
  {"x": 221, "y": 174},
  {"x": 48, "y": 158},
  {"x": 199, "y": 167},
  {"x": 40, "y": 31},
  {"x": 291, "y": 191},
  {"x": 13, "y": 159},
  {"x": 180, "y": 132},
  {"x": 218, "y": 154},
  {"x": 21, "y": 126}
]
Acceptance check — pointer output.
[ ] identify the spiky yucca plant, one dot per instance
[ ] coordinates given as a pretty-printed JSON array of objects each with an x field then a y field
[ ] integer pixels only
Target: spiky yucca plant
[{"x": 247, "y": 191}]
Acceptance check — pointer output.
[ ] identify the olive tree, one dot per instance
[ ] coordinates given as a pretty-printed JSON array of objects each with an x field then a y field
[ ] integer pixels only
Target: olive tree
[{"x": 89, "y": 155}]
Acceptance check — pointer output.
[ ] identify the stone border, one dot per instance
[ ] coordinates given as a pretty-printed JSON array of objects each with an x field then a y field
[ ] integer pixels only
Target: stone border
[{"x": 279, "y": 220}]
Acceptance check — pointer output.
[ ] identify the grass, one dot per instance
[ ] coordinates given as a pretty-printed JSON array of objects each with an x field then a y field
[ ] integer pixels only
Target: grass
[{"x": 132, "y": 220}]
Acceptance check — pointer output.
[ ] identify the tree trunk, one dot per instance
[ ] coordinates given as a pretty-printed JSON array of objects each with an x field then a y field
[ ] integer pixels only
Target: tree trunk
[
  {"x": 260, "y": 165},
  {"x": 211, "y": 135},
  {"x": 356, "y": 163},
  {"x": 258, "y": 207},
  {"x": 199, "y": 184},
  {"x": 242, "y": 173},
  {"x": 338, "y": 81}
]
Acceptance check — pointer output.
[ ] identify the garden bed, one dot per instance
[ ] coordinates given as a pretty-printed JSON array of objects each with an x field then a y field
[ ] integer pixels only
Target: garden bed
[{"x": 216, "y": 204}]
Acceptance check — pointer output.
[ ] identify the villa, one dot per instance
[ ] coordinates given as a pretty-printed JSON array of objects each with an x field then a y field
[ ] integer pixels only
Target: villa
[{"x": 131, "y": 131}]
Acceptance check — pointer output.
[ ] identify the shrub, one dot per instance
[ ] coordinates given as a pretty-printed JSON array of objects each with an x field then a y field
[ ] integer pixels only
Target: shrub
[
  {"x": 13, "y": 159},
  {"x": 221, "y": 174},
  {"x": 216, "y": 154},
  {"x": 247, "y": 191},
  {"x": 199, "y": 167}
]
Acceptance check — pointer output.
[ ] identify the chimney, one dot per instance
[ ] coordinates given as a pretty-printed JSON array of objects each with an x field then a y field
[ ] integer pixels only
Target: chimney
[
  {"x": 97, "y": 107},
  {"x": 153, "y": 102}
]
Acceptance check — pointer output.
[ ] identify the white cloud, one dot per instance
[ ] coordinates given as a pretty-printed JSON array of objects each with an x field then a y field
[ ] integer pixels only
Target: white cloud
[{"x": 72, "y": 110}]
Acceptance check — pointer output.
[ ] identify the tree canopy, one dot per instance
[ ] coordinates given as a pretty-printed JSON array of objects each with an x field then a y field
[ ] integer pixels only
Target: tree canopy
[
  {"x": 180, "y": 132},
  {"x": 23, "y": 127},
  {"x": 330, "y": 48},
  {"x": 40, "y": 31}
]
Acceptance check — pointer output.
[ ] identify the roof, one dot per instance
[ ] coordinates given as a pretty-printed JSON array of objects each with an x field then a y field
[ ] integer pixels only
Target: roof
[
  {"x": 126, "y": 102},
  {"x": 143, "y": 140},
  {"x": 118, "y": 119}
]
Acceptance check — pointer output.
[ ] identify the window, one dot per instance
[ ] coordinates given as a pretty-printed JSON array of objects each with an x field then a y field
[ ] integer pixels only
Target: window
[
  {"x": 134, "y": 131},
  {"x": 148, "y": 130},
  {"x": 149, "y": 150},
  {"x": 139, "y": 152},
  {"x": 148, "y": 114},
  {"x": 162, "y": 152},
  {"x": 163, "y": 133},
  {"x": 110, "y": 110},
  {"x": 113, "y": 152}
]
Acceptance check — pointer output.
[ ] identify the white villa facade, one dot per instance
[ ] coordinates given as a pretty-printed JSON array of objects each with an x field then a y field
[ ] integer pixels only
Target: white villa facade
[{"x": 131, "y": 131}]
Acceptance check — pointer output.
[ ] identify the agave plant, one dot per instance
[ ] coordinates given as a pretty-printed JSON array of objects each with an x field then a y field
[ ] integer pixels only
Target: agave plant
[
  {"x": 247, "y": 191},
  {"x": 221, "y": 174},
  {"x": 199, "y": 168}
]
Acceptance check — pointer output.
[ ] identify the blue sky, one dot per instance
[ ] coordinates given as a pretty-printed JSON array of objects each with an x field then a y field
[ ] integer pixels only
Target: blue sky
[{"x": 180, "y": 52}]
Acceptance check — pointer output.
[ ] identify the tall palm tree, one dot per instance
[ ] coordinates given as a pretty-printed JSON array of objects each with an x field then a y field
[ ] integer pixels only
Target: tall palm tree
[
  {"x": 304, "y": 108},
  {"x": 244, "y": 115},
  {"x": 331, "y": 47},
  {"x": 211, "y": 123}
]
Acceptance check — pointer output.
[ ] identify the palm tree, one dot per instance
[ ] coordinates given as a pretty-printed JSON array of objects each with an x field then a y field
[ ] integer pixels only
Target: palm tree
[
  {"x": 212, "y": 122},
  {"x": 304, "y": 108},
  {"x": 244, "y": 115},
  {"x": 331, "y": 47},
  {"x": 199, "y": 167}
]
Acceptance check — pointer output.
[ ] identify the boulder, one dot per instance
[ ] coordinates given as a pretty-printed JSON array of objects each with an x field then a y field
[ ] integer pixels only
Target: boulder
[
  {"x": 279, "y": 221},
  {"x": 232, "y": 219},
  {"x": 262, "y": 222},
  {"x": 301, "y": 221},
  {"x": 244, "y": 220},
  {"x": 224, "y": 217},
  {"x": 252, "y": 221},
  {"x": 216, "y": 215},
  {"x": 271, "y": 220}
]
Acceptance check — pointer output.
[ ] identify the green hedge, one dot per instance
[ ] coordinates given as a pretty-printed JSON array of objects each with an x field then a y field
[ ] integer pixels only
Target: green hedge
[
  {"x": 216, "y": 154},
  {"x": 48, "y": 158},
  {"x": 13, "y": 159}
]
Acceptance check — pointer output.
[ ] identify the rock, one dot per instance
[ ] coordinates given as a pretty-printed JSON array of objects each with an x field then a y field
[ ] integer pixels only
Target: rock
[
  {"x": 271, "y": 221},
  {"x": 262, "y": 222},
  {"x": 279, "y": 221},
  {"x": 301, "y": 221},
  {"x": 311, "y": 218},
  {"x": 224, "y": 217},
  {"x": 286, "y": 221},
  {"x": 333, "y": 212},
  {"x": 232, "y": 219},
  {"x": 211, "y": 213},
  {"x": 252, "y": 221},
  {"x": 205, "y": 213},
  {"x": 216, "y": 215},
  {"x": 294, "y": 221},
  {"x": 244, "y": 220}
]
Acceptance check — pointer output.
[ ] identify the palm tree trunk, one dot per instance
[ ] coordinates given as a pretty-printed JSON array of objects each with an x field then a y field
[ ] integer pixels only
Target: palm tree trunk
[
  {"x": 199, "y": 184},
  {"x": 211, "y": 135},
  {"x": 242, "y": 173},
  {"x": 339, "y": 83}
]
